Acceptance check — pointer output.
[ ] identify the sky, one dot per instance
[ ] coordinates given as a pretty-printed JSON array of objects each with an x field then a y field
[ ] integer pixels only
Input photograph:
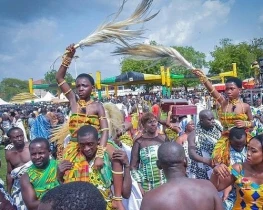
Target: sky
[{"x": 33, "y": 33}]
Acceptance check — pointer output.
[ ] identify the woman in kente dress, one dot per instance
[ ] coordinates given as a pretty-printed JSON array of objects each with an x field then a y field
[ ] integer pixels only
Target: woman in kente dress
[
  {"x": 144, "y": 155},
  {"x": 171, "y": 127},
  {"x": 232, "y": 113},
  {"x": 247, "y": 177},
  {"x": 85, "y": 111}
]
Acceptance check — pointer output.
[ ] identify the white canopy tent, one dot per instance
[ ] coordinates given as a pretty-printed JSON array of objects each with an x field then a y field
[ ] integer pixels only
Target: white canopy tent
[
  {"x": 2, "y": 102},
  {"x": 47, "y": 97}
]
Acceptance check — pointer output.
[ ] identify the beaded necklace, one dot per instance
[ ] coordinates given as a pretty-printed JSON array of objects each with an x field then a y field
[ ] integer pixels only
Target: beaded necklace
[
  {"x": 234, "y": 103},
  {"x": 83, "y": 104}
]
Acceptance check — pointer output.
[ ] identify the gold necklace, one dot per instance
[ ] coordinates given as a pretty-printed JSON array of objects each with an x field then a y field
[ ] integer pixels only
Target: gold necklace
[
  {"x": 234, "y": 102},
  {"x": 84, "y": 104}
]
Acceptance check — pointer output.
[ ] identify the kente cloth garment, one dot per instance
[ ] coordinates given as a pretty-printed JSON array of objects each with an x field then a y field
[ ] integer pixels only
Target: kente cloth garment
[
  {"x": 249, "y": 194},
  {"x": 126, "y": 139},
  {"x": 148, "y": 174},
  {"x": 16, "y": 188},
  {"x": 221, "y": 152},
  {"x": 7, "y": 198},
  {"x": 76, "y": 121},
  {"x": 235, "y": 157},
  {"x": 43, "y": 180},
  {"x": 82, "y": 170},
  {"x": 205, "y": 141},
  {"x": 258, "y": 129},
  {"x": 41, "y": 127},
  {"x": 171, "y": 135},
  {"x": 135, "y": 121}
]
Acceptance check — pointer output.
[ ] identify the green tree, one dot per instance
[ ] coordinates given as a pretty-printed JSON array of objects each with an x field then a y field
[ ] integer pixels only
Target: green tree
[
  {"x": 11, "y": 86},
  {"x": 243, "y": 54},
  {"x": 198, "y": 61},
  {"x": 50, "y": 77}
]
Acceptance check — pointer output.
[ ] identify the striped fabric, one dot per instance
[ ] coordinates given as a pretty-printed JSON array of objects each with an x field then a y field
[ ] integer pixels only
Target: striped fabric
[{"x": 148, "y": 174}]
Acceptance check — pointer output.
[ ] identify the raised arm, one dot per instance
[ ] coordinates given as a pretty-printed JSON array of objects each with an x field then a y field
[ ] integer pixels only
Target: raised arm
[
  {"x": 192, "y": 150},
  {"x": 28, "y": 193},
  {"x": 204, "y": 80},
  {"x": 60, "y": 77}
]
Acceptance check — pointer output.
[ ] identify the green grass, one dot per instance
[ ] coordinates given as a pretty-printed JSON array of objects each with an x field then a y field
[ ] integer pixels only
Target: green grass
[{"x": 3, "y": 163}]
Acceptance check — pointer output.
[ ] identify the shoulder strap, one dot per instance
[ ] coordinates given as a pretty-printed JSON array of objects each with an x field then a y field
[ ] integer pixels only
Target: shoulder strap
[{"x": 234, "y": 172}]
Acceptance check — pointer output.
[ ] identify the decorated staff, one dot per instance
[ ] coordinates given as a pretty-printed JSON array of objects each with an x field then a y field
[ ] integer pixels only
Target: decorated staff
[
  {"x": 151, "y": 52},
  {"x": 112, "y": 31}
]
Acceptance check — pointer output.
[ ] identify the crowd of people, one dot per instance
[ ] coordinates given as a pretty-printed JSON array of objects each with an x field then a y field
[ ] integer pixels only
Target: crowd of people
[{"x": 124, "y": 154}]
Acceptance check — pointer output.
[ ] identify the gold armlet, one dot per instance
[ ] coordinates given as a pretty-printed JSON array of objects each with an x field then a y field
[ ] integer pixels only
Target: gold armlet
[
  {"x": 218, "y": 97},
  {"x": 203, "y": 79},
  {"x": 102, "y": 118},
  {"x": 117, "y": 198},
  {"x": 212, "y": 90},
  {"x": 117, "y": 172},
  {"x": 66, "y": 61},
  {"x": 64, "y": 81},
  {"x": 248, "y": 124},
  {"x": 100, "y": 151},
  {"x": 104, "y": 129},
  {"x": 68, "y": 91}
]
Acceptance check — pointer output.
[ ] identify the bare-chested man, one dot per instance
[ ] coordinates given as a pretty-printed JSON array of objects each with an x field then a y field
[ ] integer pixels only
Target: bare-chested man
[
  {"x": 179, "y": 192},
  {"x": 18, "y": 160}
]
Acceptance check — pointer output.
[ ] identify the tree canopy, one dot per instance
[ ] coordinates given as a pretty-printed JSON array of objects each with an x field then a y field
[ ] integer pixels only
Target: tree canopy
[
  {"x": 243, "y": 54},
  {"x": 11, "y": 86},
  {"x": 50, "y": 77}
]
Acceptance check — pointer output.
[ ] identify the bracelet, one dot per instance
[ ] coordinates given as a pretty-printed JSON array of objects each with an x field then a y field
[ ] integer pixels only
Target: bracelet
[
  {"x": 68, "y": 91},
  {"x": 104, "y": 129},
  {"x": 218, "y": 97},
  {"x": 66, "y": 61},
  {"x": 117, "y": 198},
  {"x": 117, "y": 172},
  {"x": 248, "y": 124},
  {"x": 100, "y": 151},
  {"x": 203, "y": 79},
  {"x": 64, "y": 81},
  {"x": 212, "y": 90},
  {"x": 103, "y": 118}
]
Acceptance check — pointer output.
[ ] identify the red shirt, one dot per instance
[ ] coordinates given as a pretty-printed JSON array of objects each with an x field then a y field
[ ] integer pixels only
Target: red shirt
[{"x": 156, "y": 110}]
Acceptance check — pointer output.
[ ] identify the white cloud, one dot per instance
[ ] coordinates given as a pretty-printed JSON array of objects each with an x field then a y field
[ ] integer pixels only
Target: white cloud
[
  {"x": 181, "y": 21},
  {"x": 39, "y": 30}
]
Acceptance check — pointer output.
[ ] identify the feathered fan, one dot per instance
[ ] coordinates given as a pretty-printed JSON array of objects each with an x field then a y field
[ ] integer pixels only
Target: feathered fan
[
  {"x": 112, "y": 31},
  {"x": 152, "y": 52}
]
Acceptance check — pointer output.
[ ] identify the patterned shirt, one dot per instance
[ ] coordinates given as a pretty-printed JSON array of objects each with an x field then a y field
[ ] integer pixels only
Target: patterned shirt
[
  {"x": 235, "y": 157},
  {"x": 258, "y": 129}
]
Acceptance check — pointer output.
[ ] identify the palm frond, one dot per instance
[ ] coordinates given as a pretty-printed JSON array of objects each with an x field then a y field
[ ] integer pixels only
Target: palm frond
[{"x": 153, "y": 52}]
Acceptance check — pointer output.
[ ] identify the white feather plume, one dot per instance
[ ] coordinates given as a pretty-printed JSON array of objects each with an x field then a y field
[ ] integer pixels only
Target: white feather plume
[
  {"x": 118, "y": 31},
  {"x": 153, "y": 52}
]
